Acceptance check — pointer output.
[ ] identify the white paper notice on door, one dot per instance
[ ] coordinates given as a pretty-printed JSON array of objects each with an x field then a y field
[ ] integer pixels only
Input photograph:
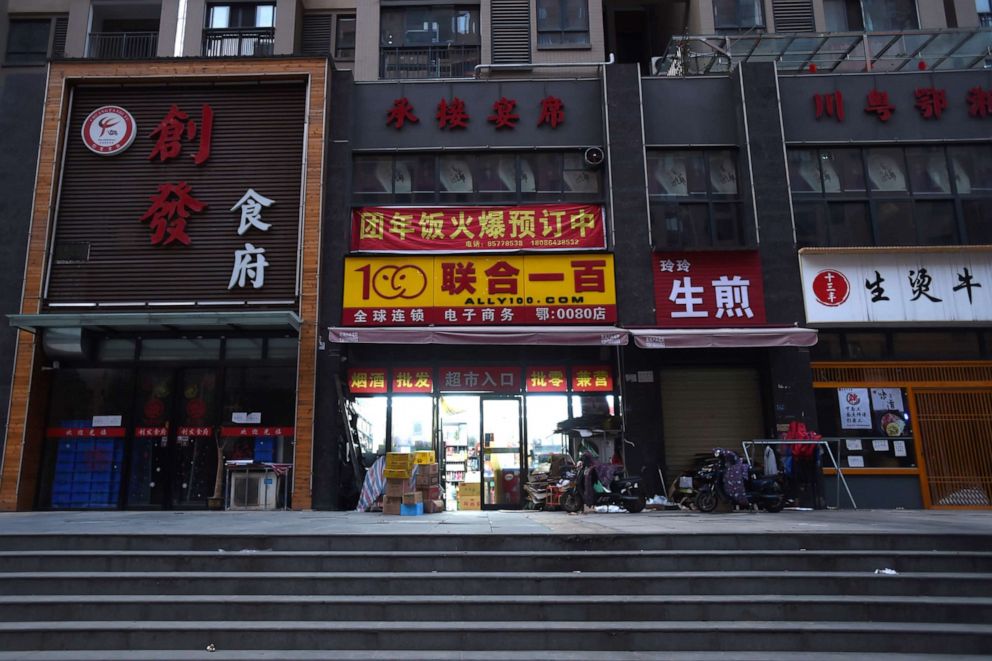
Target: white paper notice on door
[
  {"x": 856, "y": 462},
  {"x": 853, "y": 444},
  {"x": 107, "y": 420},
  {"x": 886, "y": 399},
  {"x": 880, "y": 445},
  {"x": 899, "y": 447}
]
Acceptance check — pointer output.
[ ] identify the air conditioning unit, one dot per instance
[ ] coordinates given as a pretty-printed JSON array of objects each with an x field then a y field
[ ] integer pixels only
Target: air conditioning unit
[{"x": 252, "y": 491}]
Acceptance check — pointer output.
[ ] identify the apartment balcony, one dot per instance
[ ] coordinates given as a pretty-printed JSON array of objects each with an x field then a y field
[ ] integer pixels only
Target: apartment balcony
[
  {"x": 122, "y": 45},
  {"x": 253, "y": 42},
  {"x": 428, "y": 62}
]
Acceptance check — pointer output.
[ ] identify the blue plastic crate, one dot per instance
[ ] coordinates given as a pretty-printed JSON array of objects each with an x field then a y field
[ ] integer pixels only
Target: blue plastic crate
[{"x": 412, "y": 510}]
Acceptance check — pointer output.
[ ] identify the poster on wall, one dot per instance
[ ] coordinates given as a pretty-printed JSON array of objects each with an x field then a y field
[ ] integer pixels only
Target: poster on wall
[
  {"x": 874, "y": 286},
  {"x": 449, "y": 290},
  {"x": 855, "y": 410}
]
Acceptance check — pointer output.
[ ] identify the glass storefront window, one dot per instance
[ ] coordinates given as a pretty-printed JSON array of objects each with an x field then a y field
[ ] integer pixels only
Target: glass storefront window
[
  {"x": 544, "y": 412},
  {"x": 283, "y": 348},
  {"x": 243, "y": 348},
  {"x": 412, "y": 423},
  {"x": 370, "y": 422},
  {"x": 180, "y": 349}
]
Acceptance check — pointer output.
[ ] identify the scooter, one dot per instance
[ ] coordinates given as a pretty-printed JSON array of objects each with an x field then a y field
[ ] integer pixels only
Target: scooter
[
  {"x": 765, "y": 493},
  {"x": 623, "y": 492}
]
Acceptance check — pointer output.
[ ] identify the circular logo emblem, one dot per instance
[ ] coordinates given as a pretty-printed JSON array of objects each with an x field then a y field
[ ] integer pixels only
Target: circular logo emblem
[
  {"x": 109, "y": 130},
  {"x": 831, "y": 288},
  {"x": 853, "y": 399}
]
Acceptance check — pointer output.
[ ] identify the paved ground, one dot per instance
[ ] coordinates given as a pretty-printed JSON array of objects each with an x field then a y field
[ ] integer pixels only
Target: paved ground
[{"x": 501, "y": 522}]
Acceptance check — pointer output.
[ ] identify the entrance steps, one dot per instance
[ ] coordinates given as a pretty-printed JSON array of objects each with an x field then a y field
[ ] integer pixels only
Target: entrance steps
[{"x": 512, "y": 597}]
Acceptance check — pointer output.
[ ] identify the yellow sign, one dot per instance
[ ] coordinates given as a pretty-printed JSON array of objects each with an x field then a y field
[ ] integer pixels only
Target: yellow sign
[{"x": 401, "y": 290}]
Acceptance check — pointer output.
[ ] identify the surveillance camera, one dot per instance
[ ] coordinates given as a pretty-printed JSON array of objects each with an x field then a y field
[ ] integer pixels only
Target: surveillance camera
[{"x": 594, "y": 157}]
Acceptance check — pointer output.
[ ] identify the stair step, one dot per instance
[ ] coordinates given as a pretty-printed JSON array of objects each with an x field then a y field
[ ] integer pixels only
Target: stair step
[
  {"x": 513, "y": 583},
  {"x": 251, "y": 560},
  {"x": 863, "y": 637},
  {"x": 505, "y": 608}
]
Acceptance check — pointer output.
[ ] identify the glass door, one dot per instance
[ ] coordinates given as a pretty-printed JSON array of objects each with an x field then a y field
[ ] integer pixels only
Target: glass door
[
  {"x": 149, "y": 461},
  {"x": 194, "y": 472},
  {"x": 459, "y": 458},
  {"x": 501, "y": 453}
]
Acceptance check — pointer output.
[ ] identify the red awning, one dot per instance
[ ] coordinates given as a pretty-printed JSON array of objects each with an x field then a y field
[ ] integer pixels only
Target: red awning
[
  {"x": 556, "y": 335},
  {"x": 731, "y": 338}
]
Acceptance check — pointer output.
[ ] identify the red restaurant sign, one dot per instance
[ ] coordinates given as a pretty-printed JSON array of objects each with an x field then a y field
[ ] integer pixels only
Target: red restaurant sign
[
  {"x": 475, "y": 229},
  {"x": 708, "y": 289},
  {"x": 480, "y": 379}
]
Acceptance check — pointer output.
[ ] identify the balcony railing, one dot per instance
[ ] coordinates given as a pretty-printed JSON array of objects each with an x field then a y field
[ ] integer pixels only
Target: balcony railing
[
  {"x": 122, "y": 45},
  {"x": 429, "y": 62},
  {"x": 239, "y": 43}
]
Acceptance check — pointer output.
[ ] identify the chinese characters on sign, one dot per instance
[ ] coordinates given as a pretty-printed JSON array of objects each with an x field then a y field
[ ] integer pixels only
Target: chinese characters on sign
[
  {"x": 854, "y": 409},
  {"x": 250, "y": 263},
  {"x": 474, "y": 289},
  {"x": 898, "y": 287},
  {"x": 711, "y": 289},
  {"x": 413, "y": 380},
  {"x": 475, "y": 378},
  {"x": 468, "y": 229},
  {"x": 930, "y": 103},
  {"x": 480, "y": 379},
  {"x": 367, "y": 381},
  {"x": 453, "y": 114}
]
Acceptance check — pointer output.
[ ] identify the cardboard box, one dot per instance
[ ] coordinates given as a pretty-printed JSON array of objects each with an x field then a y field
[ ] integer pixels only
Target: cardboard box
[
  {"x": 469, "y": 490},
  {"x": 435, "y": 506},
  {"x": 412, "y": 498},
  {"x": 399, "y": 460},
  {"x": 424, "y": 457},
  {"x": 469, "y": 503},
  {"x": 391, "y": 505},
  {"x": 432, "y": 492},
  {"x": 412, "y": 510},
  {"x": 426, "y": 479},
  {"x": 396, "y": 487},
  {"x": 397, "y": 473}
]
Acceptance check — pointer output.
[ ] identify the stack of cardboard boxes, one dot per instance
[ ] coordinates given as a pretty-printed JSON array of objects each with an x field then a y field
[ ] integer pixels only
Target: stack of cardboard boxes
[
  {"x": 469, "y": 496},
  {"x": 400, "y": 497}
]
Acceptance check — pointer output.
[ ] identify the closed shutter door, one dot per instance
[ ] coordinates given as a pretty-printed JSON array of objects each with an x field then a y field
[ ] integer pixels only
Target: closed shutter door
[
  {"x": 511, "y": 31},
  {"x": 704, "y": 408},
  {"x": 793, "y": 15}
]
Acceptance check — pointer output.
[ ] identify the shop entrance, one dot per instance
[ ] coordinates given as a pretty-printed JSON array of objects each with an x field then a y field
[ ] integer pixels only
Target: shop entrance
[
  {"x": 481, "y": 451},
  {"x": 173, "y": 458}
]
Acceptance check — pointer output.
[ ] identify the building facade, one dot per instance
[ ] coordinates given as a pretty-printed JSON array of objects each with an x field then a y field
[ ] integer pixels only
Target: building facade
[{"x": 522, "y": 228}]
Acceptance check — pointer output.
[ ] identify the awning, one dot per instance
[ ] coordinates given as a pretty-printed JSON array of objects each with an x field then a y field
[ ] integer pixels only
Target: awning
[
  {"x": 731, "y": 338},
  {"x": 139, "y": 321},
  {"x": 579, "y": 335}
]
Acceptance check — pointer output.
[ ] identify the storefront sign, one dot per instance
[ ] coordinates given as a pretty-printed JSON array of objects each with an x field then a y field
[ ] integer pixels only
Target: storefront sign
[
  {"x": 855, "y": 411},
  {"x": 195, "y": 431},
  {"x": 475, "y": 290},
  {"x": 413, "y": 380},
  {"x": 929, "y": 102},
  {"x": 453, "y": 113},
  {"x": 150, "y": 432},
  {"x": 892, "y": 287},
  {"x": 109, "y": 130},
  {"x": 245, "y": 418},
  {"x": 85, "y": 432},
  {"x": 367, "y": 381},
  {"x": 480, "y": 379},
  {"x": 708, "y": 289},
  {"x": 547, "y": 379},
  {"x": 477, "y": 229},
  {"x": 229, "y": 432},
  {"x": 592, "y": 378}
]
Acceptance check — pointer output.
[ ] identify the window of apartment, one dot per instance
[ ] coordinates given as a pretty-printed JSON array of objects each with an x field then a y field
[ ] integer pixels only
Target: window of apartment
[
  {"x": 562, "y": 23},
  {"x": 325, "y": 32},
  {"x": 28, "y": 41},
  {"x": 892, "y": 196},
  {"x": 344, "y": 37},
  {"x": 738, "y": 15},
  {"x": 241, "y": 15},
  {"x": 890, "y": 15},
  {"x": 473, "y": 178},
  {"x": 440, "y": 41},
  {"x": 984, "y": 8},
  {"x": 695, "y": 200},
  {"x": 843, "y": 15}
]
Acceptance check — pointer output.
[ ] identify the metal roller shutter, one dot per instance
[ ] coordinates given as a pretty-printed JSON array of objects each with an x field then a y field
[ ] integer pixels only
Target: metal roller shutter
[
  {"x": 793, "y": 15},
  {"x": 707, "y": 407}
]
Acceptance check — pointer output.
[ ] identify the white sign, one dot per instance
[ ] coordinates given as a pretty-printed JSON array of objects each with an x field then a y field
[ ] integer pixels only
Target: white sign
[
  {"x": 856, "y": 462},
  {"x": 886, "y": 399},
  {"x": 897, "y": 287},
  {"x": 107, "y": 420},
  {"x": 245, "y": 418},
  {"x": 109, "y": 130},
  {"x": 853, "y": 444},
  {"x": 899, "y": 447},
  {"x": 250, "y": 263},
  {"x": 855, "y": 412},
  {"x": 880, "y": 445}
]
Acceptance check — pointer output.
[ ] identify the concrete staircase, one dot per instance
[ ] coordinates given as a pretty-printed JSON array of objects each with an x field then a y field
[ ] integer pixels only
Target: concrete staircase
[{"x": 603, "y": 597}]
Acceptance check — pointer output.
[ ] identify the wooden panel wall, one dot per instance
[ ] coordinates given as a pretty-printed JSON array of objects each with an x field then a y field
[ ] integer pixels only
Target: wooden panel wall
[{"x": 24, "y": 431}]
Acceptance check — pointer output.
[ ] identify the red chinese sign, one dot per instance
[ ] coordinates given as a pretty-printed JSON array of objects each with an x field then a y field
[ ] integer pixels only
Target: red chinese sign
[
  {"x": 831, "y": 288},
  {"x": 592, "y": 378},
  {"x": 150, "y": 432},
  {"x": 367, "y": 381},
  {"x": 175, "y": 127},
  {"x": 480, "y": 379},
  {"x": 930, "y": 103},
  {"x": 546, "y": 379},
  {"x": 453, "y": 114},
  {"x": 708, "y": 289},
  {"x": 85, "y": 432},
  {"x": 229, "y": 432},
  {"x": 465, "y": 229},
  {"x": 413, "y": 380},
  {"x": 194, "y": 431}
]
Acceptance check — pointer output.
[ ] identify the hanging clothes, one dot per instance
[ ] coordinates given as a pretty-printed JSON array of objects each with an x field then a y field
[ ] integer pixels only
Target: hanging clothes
[{"x": 770, "y": 461}]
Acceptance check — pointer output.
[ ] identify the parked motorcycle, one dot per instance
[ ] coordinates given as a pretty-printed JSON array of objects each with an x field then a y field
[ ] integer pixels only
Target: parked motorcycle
[
  {"x": 623, "y": 492},
  {"x": 735, "y": 481}
]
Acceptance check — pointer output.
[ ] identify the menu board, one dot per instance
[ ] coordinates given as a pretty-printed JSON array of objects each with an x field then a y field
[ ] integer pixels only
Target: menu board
[{"x": 874, "y": 423}]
